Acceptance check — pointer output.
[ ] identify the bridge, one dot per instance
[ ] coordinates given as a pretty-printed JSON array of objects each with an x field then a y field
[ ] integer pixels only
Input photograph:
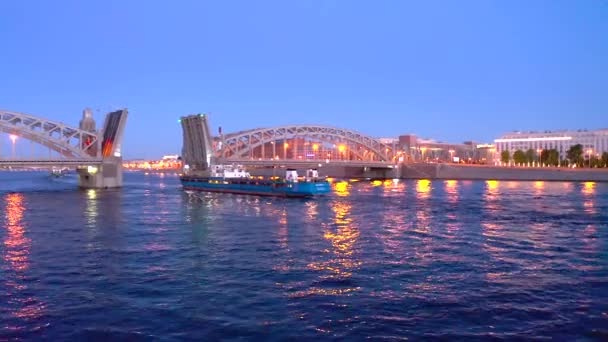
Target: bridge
[
  {"x": 301, "y": 142},
  {"x": 96, "y": 154},
  {"x": 296, "y": 146}
]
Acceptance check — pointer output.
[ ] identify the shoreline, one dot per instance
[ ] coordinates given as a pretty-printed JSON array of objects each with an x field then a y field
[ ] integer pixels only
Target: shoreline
[
  {"x": 430, "y": 171},
  {"x": 501, "y": 173}
]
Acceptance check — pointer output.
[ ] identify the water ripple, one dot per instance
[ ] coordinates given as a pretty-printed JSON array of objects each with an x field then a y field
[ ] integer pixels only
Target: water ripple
[{"x": 382, "y": 260}]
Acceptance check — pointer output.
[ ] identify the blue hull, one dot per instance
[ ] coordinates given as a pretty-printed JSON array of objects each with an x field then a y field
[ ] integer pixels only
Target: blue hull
[{"x": 254, "y": 187}]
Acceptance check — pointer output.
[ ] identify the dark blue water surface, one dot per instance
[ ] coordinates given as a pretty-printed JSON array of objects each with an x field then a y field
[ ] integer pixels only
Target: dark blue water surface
[{"x": 408, "y": 259}]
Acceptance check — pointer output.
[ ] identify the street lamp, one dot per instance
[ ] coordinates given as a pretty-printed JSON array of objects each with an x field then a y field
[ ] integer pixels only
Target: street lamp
[
  {"x": 274, "y": 154},
  {"x": 13, "y": 138},
  {"x": 341, "y": 149},
  {"x": 493, "y": 150},
  {"x": 589, "y": 156},
  {"x": 451, "y": 156},
  {"x": 285, "y": 146},
  {"x": 540, "y": 156}
]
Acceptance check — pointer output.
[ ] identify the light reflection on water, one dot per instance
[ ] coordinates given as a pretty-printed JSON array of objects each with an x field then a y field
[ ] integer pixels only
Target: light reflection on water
[
  {"x": 24, "y": 305},
  {"x": 423, "y": 188},
  {"x": 342, "y": 188},
  {"x": 342, "y": 261},
  {"x": 312, "y": 210},
  {"x": 283, "y": 229},
  {"x": 588, "y": 191},
  {"x": 491, "y": 196},
  {"x": 539, "y": 185},
  {"x": 419, "y": 259},
  {"x": 91, "y": 210},
  {"x": 424, "y": 245},
  {"x": 16, "y": 243},
  {"x": 451, "y": 188},
  {"x": 452, "y": 192}
]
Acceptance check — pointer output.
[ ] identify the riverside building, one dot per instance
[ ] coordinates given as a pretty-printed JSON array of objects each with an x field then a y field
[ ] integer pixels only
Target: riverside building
[{"x": 594, "y": 142}]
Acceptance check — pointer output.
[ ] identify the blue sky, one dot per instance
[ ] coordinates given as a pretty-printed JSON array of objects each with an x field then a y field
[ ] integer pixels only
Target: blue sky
[{"x": 449, "y": 70}]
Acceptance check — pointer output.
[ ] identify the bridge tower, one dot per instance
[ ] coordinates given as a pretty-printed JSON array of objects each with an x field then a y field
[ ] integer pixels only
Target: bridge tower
[
  {"x": 87, "y": 123},
  {"x": 109, "y": 144},
  {"x": 197, "y": 148}
]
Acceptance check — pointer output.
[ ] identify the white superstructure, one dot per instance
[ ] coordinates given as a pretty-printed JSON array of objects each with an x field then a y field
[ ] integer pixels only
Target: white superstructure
[
  {"x": 594, "y": 142},
  {"x": 229, "y": 171}
]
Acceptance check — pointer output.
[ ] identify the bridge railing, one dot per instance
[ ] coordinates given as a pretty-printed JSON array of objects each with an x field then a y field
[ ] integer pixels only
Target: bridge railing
[
  {"x": 29, "y": 162},
  {"x": 306, "y": 162}
]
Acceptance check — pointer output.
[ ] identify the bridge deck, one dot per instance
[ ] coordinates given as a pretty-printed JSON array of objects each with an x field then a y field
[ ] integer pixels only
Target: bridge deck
[
  {"x": 22, "y": 162},
  {"x": 309, "y": 163}
]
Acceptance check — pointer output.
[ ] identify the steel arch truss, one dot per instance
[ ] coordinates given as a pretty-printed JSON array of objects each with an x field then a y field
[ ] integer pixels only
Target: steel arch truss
[
  {"x": 240, "y": 144},
  {"x": 67, "y": 141}
]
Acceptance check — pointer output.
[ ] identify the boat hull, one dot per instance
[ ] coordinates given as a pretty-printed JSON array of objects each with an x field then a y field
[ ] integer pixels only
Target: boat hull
[{"x": 259, "y": 188}]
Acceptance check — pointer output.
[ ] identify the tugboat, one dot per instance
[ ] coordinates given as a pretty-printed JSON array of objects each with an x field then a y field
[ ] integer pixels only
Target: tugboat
[{"x": 234, "y": 179}]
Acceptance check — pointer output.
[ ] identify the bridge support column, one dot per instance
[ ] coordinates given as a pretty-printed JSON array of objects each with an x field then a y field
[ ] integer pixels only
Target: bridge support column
[{"x": 106, "y": 175}]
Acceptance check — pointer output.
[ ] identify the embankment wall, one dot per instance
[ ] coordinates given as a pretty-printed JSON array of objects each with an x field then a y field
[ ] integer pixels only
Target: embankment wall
[{"x": 472, "y": 172}]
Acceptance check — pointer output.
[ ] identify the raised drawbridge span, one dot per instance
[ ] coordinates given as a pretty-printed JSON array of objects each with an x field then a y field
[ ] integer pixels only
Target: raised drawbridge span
[{"x": 95, "y": 153}]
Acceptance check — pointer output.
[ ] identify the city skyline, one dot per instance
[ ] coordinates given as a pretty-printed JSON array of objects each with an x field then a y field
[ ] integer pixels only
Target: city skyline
[{"x": 440, "y": 70}]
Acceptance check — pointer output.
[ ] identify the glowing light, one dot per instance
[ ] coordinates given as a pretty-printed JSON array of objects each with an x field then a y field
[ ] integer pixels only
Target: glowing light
[
  {"x": 492, "y": 185},
  {"x": 13, "y": 138},
  {"x": 423, "y": 187},
  {"x": 342, "y": 189},
  {"x": 343, "y": 237},
  {"x": 16, "y": 243},
  {"x": 450, "y": 185},
  {"x": 451, "y": 189},
  {"x": 315, "y": 147},
  {"x": 341, "y": 148},
  {"x": 15, "y": 256},
  {"x": 92, "y": 169},
  {"x": 91, "y": 194},
  {"x": 377, "y": 183},
  {"x": 588, "y": 188}
]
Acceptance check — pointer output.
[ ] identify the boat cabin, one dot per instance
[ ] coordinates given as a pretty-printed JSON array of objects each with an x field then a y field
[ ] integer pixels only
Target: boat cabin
[
  {"x": 229, "y": 171},
  {"x": 291, "y": 175},
  {"x": 312, "y": 175}
]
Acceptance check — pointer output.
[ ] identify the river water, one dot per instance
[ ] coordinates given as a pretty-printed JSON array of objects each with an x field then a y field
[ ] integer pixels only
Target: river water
[{"x": 385, "y": 260}]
